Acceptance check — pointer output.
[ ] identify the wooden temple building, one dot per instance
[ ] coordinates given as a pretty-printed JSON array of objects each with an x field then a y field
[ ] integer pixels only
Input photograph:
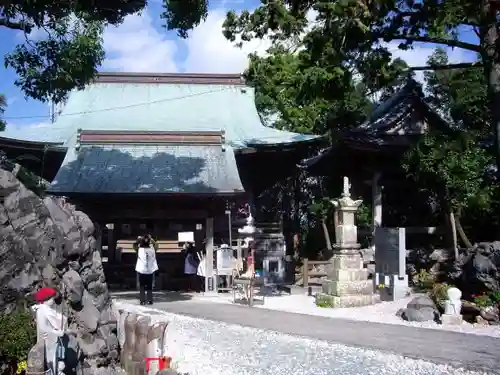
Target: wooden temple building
[
  {"x": 158, "y": 153},
  {"x": 371, "y": 153}
]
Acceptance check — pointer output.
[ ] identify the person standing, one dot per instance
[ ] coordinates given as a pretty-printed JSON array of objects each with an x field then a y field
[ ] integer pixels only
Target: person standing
[
  {"x": 191, "y": 267},
  {"x": 145, "y": 267}
]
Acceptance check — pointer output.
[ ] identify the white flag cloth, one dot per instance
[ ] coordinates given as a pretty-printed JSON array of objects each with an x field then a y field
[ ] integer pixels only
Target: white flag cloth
[{"x": 202, "y": 266}]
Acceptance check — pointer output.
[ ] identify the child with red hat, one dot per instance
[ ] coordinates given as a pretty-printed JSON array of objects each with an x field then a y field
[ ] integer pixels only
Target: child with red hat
[
  {"x": 45, "y": 294},
  {"x": 50, "y": 325}
]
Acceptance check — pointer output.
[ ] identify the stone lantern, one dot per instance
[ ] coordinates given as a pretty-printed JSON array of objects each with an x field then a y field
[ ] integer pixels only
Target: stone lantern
[{"x": 347, "y": 284}]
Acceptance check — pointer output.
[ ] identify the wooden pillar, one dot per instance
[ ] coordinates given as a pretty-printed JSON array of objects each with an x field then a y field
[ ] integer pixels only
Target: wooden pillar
[
  {"x": 376, "y": 204},
  {"x": 111, "y": 242},
  {"x": 209, "y": 257},
  {"x": 98, "y": 238}
]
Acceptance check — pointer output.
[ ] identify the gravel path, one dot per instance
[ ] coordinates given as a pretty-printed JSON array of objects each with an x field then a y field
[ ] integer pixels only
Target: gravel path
[
  {"x": 384, "y": 312},
  {"x": 204, "y": 347}
]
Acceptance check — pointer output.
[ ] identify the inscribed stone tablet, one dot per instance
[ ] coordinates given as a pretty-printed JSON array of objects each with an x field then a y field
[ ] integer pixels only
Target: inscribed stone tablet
[{"x": 390, "y": 251}]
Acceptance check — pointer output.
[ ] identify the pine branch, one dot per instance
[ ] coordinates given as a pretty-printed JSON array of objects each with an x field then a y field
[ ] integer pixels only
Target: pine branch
[
  {"x": 15, "y": 25},
  {"x": 474, "y": 65},
  {"x": 436, "y": 40}
]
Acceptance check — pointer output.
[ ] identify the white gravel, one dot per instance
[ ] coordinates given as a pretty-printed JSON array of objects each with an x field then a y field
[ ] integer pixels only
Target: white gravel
[
  {"x": 384, "y": 312},
  {"x": 201, "y": 347}
]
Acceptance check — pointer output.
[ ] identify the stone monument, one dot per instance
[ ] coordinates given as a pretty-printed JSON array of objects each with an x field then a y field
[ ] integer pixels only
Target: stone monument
[
  {"x": 347, "y": 284},
  {"x": 452, "y": 307},
  {"x": 390, "y": 278}
]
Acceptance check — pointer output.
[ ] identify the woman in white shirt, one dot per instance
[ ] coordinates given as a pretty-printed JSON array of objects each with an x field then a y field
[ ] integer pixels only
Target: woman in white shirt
[{"x": 146, "y": 266}]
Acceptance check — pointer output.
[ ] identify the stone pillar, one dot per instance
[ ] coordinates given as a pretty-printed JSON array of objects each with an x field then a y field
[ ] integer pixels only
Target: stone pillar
[
  {"x": 347, "y": 284},
  {"x": 209, "y": 257},
  {"x": 376, "y": 205}
]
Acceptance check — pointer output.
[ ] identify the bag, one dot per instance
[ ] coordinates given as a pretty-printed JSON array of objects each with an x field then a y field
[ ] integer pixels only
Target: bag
[
  {"x": 201, "y": 268},
  {"x": 192, "y": 260}
]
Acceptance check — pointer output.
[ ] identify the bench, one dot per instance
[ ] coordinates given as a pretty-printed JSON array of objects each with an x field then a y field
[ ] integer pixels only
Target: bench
[{"x": 164, "y": 246}]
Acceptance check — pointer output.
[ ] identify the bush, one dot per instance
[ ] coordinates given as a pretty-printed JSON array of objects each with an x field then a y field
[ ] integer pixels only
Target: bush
[
  {"x": 424, "y": 280},
  {"x": 483, "y": 300},
  {"x": 17, "y": 336},
  {"x": 495, "y": 297},
  {"x": 438, "y": 293}
]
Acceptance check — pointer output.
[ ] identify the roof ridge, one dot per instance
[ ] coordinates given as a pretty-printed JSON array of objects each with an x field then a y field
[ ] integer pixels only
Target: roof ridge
[{"x": 177, "y": 78}]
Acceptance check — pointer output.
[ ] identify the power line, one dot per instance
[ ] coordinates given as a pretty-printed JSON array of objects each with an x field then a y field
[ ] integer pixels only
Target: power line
[{"x": 117, "y": 108}]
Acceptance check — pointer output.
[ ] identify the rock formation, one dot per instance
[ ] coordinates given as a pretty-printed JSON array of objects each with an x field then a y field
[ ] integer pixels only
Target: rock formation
[
  {"x": 477, "y": 270},
  {"x": 45, "y": 241},
  {"x": 419, "y": 309}
]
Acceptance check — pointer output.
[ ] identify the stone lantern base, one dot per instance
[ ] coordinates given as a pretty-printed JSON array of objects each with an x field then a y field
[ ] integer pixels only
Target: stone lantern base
[{"x": 347, "y": 284}]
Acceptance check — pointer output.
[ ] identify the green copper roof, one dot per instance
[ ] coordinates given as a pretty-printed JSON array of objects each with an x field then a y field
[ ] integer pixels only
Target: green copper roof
[
  {"x": 163, "y": 169},
  {"x": 164, "y": 106}
]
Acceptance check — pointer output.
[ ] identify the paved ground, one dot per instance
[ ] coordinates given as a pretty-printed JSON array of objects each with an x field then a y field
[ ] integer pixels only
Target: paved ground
[
  {"x": 207, "y": 347},
  {"x": 470, "y": 351}
]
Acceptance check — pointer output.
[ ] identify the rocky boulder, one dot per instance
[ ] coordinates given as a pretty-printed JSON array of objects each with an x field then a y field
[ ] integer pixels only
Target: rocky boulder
[
  {"x": 46, "y": 242},
  {"x": 477, "y": 270},
  {"x": 419, "y": 309}
]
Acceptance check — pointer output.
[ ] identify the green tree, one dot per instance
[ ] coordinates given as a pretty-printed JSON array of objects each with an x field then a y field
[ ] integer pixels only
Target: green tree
[
  {"x": 308, "y": 82},
  {"x": 451, "y": 167},
  {"x": 460, "y": 94},
  {"x": 355, "y": 27},
  {"x": 67, "y": 48}
]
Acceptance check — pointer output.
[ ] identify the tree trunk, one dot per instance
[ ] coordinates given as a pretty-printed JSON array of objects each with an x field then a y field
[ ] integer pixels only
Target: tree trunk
[
  {"x": 451, "y": 217},
  {"x": 490, "y": 42},
  {"x": 327, "y": 236},
  {"x": 461, "y": 232}
]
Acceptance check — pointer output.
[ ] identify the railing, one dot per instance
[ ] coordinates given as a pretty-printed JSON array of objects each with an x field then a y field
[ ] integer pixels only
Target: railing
[
  {"x": 308, "y": 270},
  {"x": 164, "y": 246}
]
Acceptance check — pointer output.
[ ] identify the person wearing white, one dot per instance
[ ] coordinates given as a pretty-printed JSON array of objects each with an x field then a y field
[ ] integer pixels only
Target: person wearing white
[
  {"x": 50, "y": 328},
  {"x": 146, "y": 266},
  {"x": 191, "y": 267}
]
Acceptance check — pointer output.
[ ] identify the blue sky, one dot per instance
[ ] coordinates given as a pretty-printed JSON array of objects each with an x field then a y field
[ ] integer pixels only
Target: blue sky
[{"x": 141, "y": 44}]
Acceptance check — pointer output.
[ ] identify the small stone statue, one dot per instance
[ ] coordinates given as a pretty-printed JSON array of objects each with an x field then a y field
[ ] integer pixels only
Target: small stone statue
[
  {"x": 50, "y": 328},
  {"x": 453, "y": 306}
]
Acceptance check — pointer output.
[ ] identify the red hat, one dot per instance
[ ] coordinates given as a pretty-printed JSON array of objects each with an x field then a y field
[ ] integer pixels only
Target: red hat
[{"x": 45, "y": 294}]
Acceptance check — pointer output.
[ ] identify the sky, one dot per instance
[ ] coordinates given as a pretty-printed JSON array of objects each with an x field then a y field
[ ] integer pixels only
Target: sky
[{"x": 142, "y": 44}]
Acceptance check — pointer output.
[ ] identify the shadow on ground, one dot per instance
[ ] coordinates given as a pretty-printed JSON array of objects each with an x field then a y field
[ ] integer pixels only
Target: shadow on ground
[{"x": 157, "y": 296}]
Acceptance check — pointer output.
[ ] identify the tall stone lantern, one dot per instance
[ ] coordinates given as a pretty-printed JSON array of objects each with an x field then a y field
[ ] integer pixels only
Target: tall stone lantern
[{"x": 347, "y": 284}]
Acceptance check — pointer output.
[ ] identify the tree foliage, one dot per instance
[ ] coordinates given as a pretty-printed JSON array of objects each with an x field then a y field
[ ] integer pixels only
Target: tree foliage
[
  {"x": 452, "y": 166},
  {"x": 62, "y": 42},
  {"x": 355, "y": 28}
]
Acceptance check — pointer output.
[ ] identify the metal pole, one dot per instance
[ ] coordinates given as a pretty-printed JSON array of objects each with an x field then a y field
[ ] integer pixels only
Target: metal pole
[{"x": 230, "y": 229}]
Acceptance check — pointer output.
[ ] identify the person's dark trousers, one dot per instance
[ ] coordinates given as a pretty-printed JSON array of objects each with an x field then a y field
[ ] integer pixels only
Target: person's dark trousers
[{"x": 145, "y": 288}]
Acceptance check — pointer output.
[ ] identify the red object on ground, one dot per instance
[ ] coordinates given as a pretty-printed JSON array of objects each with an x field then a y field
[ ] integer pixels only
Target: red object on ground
[
  {"x": 163, "y": 362},
  {"x": 45, "y": 294}
]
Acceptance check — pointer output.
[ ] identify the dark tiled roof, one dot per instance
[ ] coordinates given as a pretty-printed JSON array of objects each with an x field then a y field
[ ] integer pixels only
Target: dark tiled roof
[
  {"x": 166, "y": 169},
  {"x": 395, "y": 123}
]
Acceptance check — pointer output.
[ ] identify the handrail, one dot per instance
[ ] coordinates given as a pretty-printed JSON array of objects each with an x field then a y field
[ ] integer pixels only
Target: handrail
[{"x": 305, "y": 270}]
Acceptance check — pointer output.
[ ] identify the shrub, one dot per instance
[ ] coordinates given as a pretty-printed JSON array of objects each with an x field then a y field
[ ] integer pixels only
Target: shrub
[
  {"x": 17, "y": 335},
  {"x": 495, "y": 297},
  {"x": 424, "y": 280},
  {"x": 483, "y": 300},
  {"x": 438, "y": 293},
  {"x": 324, "y": 301}
]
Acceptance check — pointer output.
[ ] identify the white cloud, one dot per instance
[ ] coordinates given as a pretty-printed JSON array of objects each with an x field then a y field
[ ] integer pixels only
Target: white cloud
[
  {"x": 210, "y": 52},
  {"x": 137, "y": 46},
  {"x": 23, "y": 127}
]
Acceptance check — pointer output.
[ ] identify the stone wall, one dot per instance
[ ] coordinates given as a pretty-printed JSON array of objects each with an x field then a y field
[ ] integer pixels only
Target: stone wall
[
  {"x": 46, "y": 242},
  {"x": 141, "y": 336}
]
